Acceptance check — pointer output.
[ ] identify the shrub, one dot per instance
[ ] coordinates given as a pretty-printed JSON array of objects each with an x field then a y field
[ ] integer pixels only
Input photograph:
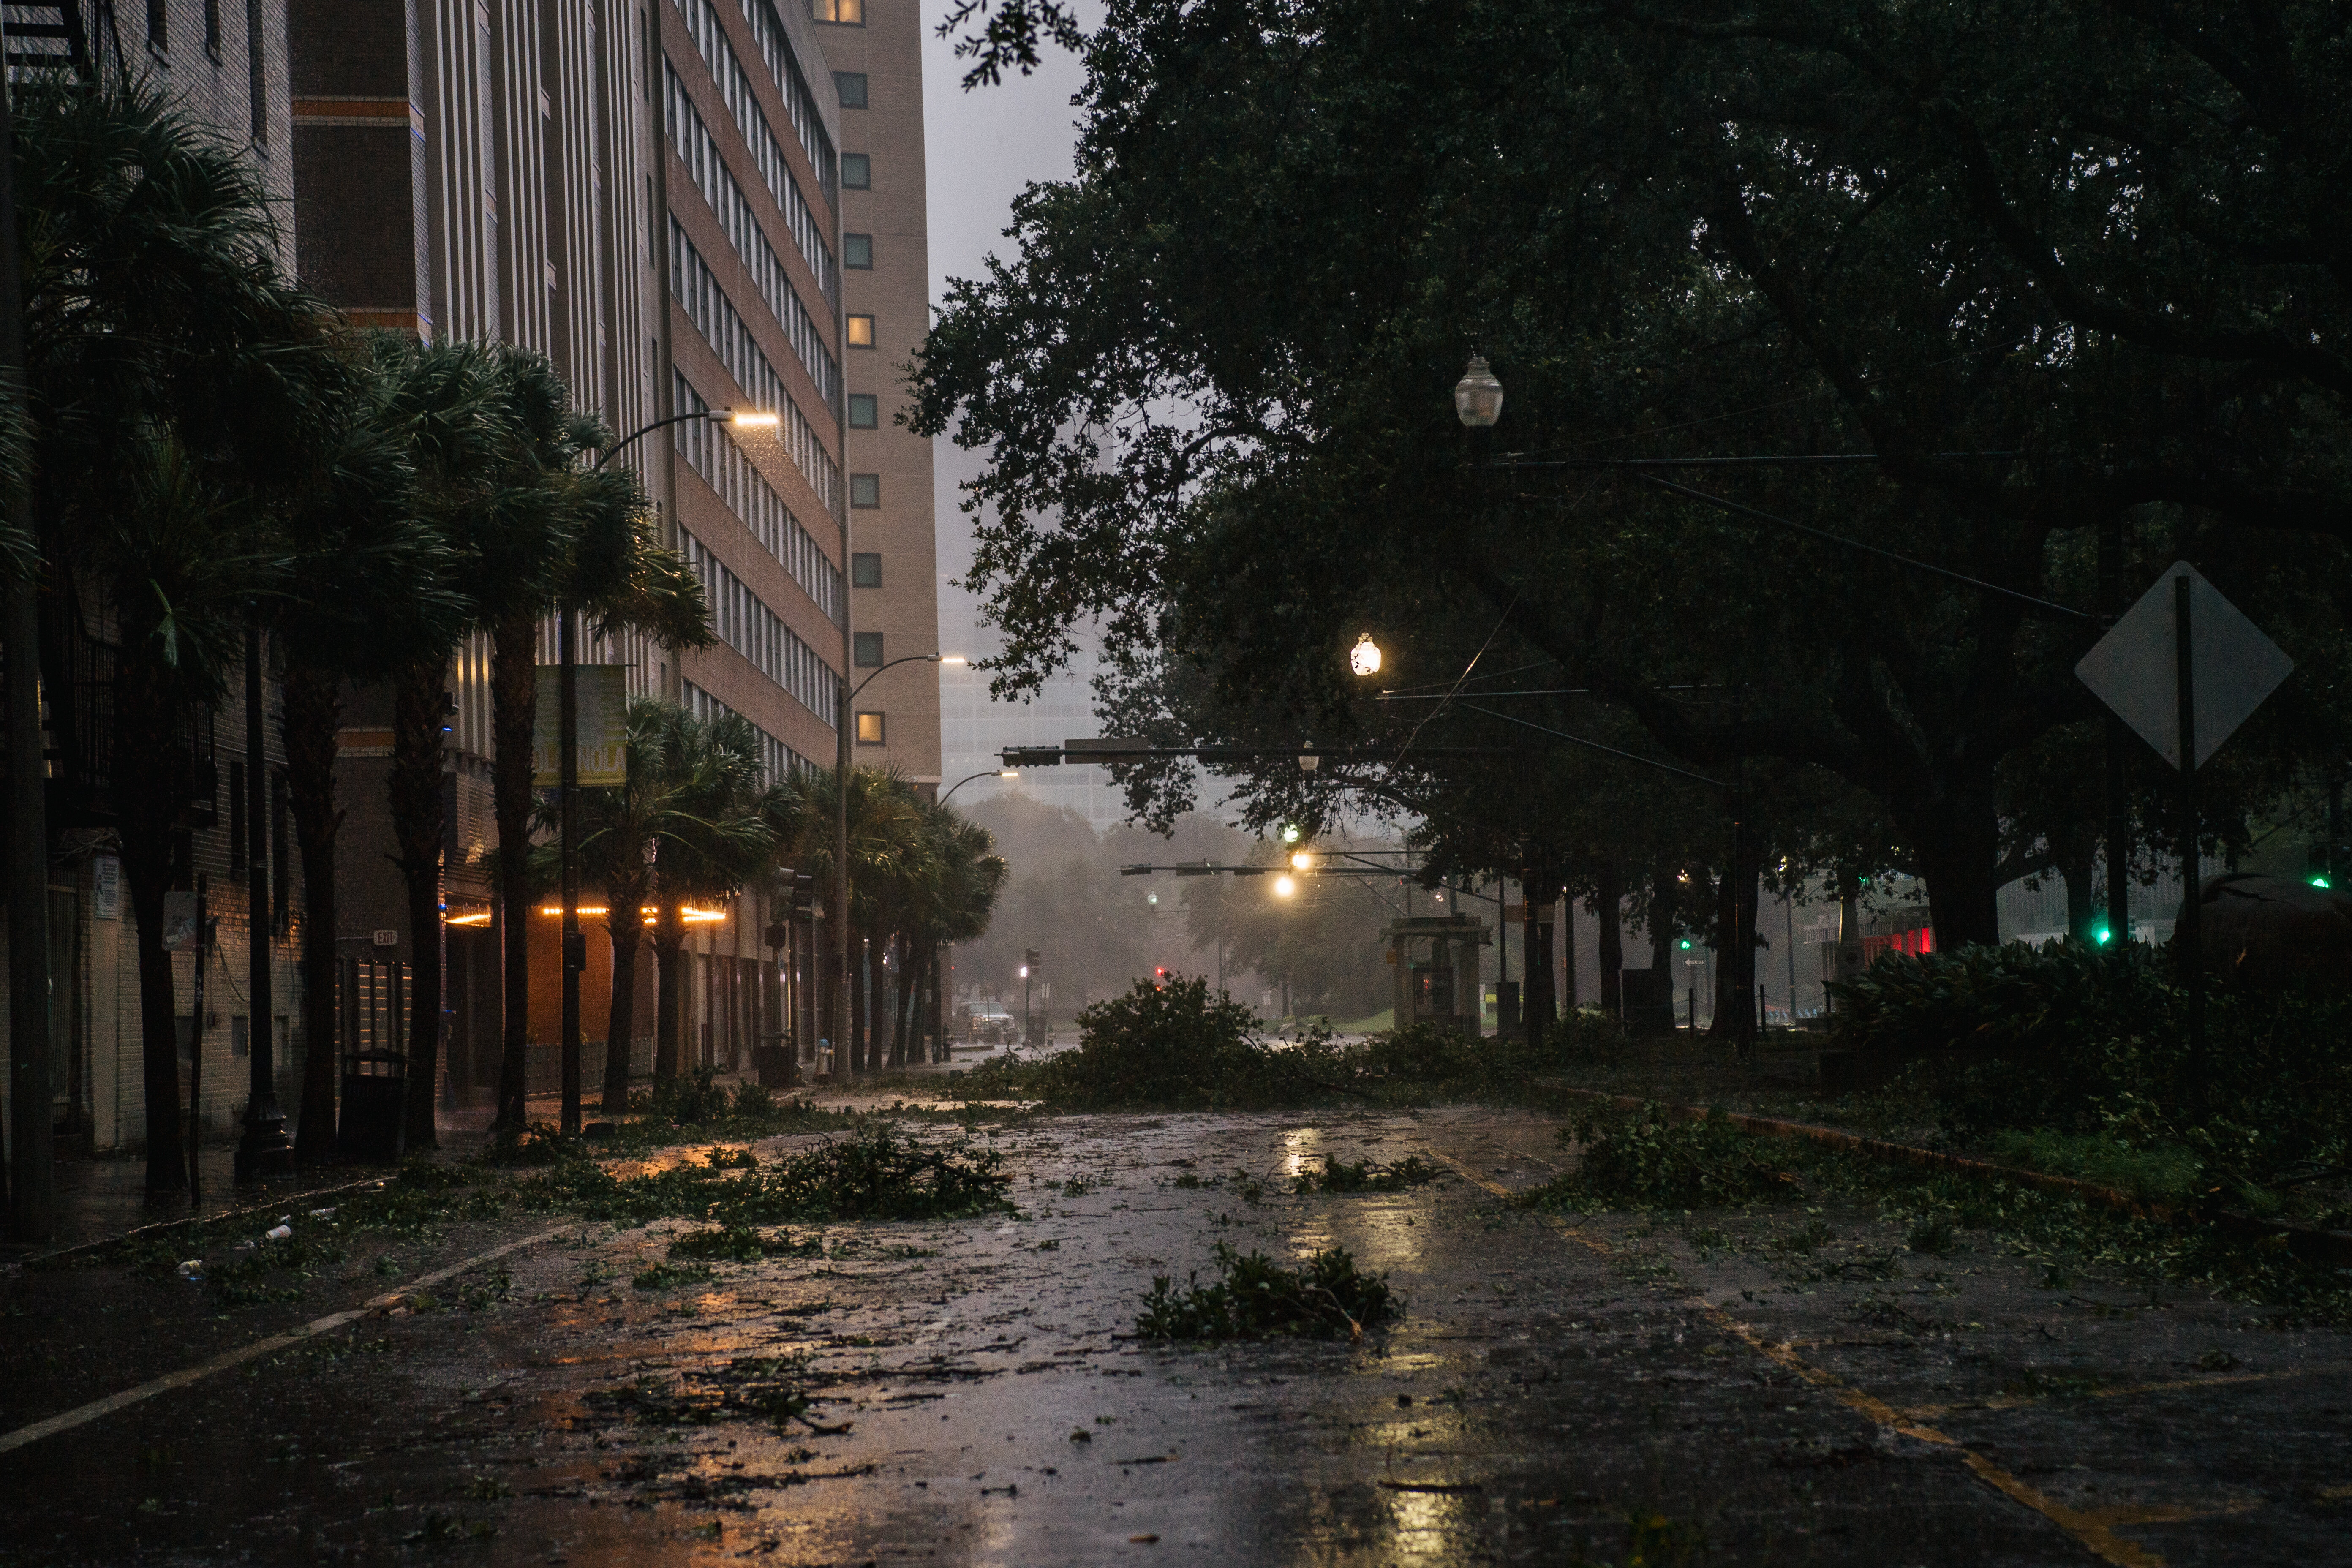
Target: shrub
[
  {"x": 2012, "y": 998},
  {"x": 1647, "y": 1159},
  {"x": 1172, "y": 1048},
  {"x": 1256, "y": 1298}
]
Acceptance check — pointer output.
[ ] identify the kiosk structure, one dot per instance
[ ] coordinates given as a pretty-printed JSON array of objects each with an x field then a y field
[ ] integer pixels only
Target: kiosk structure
[{"x": 1436, "y": 958}]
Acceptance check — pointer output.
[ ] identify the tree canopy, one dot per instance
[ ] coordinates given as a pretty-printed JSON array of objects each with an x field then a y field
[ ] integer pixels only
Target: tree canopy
[{"x": 2032, "y": 270}]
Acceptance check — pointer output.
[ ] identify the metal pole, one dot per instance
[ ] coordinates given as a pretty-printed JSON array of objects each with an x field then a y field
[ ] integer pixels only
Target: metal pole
[
  {"x": 575, "y": 943},
  {"x": 32, "y": 1183},
  {"x": 2189, "y": 937},
  {"x": 264, "y": 1147},
  {"x": 196, "y": 1046}
]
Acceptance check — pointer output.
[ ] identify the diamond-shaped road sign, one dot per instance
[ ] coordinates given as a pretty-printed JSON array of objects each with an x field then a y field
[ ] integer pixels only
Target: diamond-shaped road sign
[{"x": 2134, "y": 668}]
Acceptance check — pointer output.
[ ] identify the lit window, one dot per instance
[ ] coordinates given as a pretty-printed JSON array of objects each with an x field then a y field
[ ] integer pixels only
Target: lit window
[
  {"x": 856, "y": 172},
  {"x": 848, "y": 13},
  {"x": 857, "y": 251},
  {"x": 865, "y": 571},
  {"x": 869, "y": 729},
  {"x": 851, "y": 85},
  {"x": 868, "y": 646},
  {"x": 865, "y": 411},
  {"x": 861, "y": 328},
  {"x": 866, "y": 489}
]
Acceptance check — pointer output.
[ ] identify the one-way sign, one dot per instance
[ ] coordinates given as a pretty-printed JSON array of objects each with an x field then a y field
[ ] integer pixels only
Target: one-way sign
[{"x": 2134, "y": 669}]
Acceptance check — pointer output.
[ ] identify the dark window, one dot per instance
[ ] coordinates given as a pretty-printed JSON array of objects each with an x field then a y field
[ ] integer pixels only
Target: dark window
[
  {"x": 851, "y": 85},
  {"x": 237, "y": 846},
  {"x": 256, "y": 80},
  {"x": 869, "y": 729},
  {"x": 856, "y": 172},
  {"x": 866, "y": 489},
  {"x": 865, "y": 411},
  {"x": 212, "y": 28},
  {"x": 158, "y": 23},
  {"x": 857, "y": 251},
  {"x": 848, "y": 13},
  {"x": 864, "y": 570},
  {"x": 861, "y": 328},
  {"x": 240, "y": 1035},
  {"x": 868, "y": 646}
]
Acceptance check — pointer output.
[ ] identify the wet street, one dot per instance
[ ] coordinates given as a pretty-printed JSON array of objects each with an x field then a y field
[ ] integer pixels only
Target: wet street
[{"x": 1790, "y": 1385}]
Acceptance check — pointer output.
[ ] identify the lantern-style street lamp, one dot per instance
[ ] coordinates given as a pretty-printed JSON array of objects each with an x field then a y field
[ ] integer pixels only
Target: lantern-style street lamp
[{"x": 1478, "y": 396}]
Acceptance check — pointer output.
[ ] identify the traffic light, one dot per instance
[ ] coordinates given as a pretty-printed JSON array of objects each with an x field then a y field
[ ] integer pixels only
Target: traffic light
[
  {"x": 1290, "y": 832},
  {"x": 2315, "y": 866},
  {"x": 803, "y": 894},
  {"x": 1160, "y": 977},
  {"x": 1683, "y": 944}
]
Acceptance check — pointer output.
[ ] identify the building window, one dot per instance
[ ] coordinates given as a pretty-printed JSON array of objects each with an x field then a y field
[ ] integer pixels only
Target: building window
[
  {"x": 865, "y": 571},
  {"x": 856, "y": 172},
  {"x": 865, "y": 411},
  {"x": 857, "y": 251},
  {"x": 851, "y": 85},
  {"x": 212, "y": 28},
  {"x": 847, "y": 13},
  {"x": 866, "y": 489},
  {"x": 861, "y": 330},
  {"x": 869, "y": 729},
  {"x": 256, "y": 78},
  {"x": 867, "y": 647},
  {"x": 158, "y": 26}
]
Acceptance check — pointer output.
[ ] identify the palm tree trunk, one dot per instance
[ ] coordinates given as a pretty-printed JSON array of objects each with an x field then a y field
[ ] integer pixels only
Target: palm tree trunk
[
  {"x": 514, "y": 704},
  {"x": 417, "y": 830},
  {"x": 313, "y": 705},
  {"x": 860, "y": 980},
  {"x": 906, "y": 993},
  {"x": 669, "y": 1015},
  {"x": 147, "y": 770},
  {"x": 627, "y": 931}
]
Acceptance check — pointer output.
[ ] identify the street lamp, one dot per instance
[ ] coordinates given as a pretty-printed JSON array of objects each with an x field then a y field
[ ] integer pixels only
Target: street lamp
[
  {"x": 1302, "y": 861},
  {"x": 1284, "y": 887},
  {"x": 983, "y": 773},
  {"x": 1478, "y": 396},
  {"x": 1364, "y": 659}
]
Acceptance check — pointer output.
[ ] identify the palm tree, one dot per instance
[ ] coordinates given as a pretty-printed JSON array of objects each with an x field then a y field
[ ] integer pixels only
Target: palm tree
[
  {"x": 528, "y": 528},
  {"x": 952, "y": 904},
  {"x": 886, "y": 842},
  {"x": 720, "y": 826},
  {"x": 178, "y": 389},
  {"x": 374, "y": 565}
]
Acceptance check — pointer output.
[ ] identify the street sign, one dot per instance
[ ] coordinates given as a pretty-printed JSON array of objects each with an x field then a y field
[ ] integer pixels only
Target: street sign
[
  {"x": 603, "y": 695},
  {"x": 2134, "y": 669}
]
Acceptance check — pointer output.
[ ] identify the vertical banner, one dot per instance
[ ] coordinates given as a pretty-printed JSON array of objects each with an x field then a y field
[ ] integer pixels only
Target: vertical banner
[{"x": 603, "y": 697}]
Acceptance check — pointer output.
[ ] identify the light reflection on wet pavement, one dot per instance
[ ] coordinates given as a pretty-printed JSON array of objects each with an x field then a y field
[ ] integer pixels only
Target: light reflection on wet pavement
[{"x": 981, "y": 1397}]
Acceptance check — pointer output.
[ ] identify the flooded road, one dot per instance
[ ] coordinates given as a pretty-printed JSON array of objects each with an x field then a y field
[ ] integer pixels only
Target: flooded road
[{"x": 1787, "y": 1386}]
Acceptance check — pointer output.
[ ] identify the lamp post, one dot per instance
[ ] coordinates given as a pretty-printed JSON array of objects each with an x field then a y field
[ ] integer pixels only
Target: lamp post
[
  {"x": 573, "y": 944},
  {"x": 265, "y": 1149}
]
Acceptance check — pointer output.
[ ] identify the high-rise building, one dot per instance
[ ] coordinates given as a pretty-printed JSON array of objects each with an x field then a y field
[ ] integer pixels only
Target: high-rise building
[
  {"x": 647, "y": 191},
  {"x": 873, "y": 48}
]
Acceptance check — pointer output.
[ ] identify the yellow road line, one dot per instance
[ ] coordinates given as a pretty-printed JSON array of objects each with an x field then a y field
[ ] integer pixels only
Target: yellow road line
[
  {"x": 2095, "y": 1530},
  {"x": 2125, "y": 1389},
  {"x": 84, "y": 1414}
]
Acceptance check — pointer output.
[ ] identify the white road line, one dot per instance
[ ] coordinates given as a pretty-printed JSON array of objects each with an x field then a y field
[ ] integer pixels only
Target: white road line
[{"x": 83, "y": 1415}]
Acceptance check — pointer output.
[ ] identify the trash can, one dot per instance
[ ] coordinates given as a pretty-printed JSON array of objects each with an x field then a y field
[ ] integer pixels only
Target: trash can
[
  {"x": 773, "y": 1062},
  {"x": 373, "y": 1129}
]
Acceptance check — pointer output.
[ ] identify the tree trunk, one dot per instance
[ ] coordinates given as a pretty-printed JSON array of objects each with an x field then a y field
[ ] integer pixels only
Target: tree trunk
[
  {"x": 670, "y": 970},
  {"x": 1957, "y": 837},
  {"x": 514, "y": 707},
  {"x": 149, "y": 780},
  {"x": 313, "y": 707},
  {"x": 902, "y": 1027},
  {"x": 626, "y": 927},
  {"x": 415, "y": 786},
  {"x": 1725, "y": 940},
  {"x": 1608, "y": 902},
  {"x": 1665, "y": 910},
  {"x": 1567, "y": 957},
  {"x": 1535, "y": 996},
  {"x": 2077, "y": 854}
]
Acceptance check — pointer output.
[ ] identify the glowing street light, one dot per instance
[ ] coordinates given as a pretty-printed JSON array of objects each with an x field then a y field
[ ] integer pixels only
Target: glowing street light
[
  {"x": 1302, "y": 861},
  {"x": 750, "y": 419},
  {"x": 1284, "y": 887},
  {"x": 1478, "y": 396},
  {"x": 1364, "y": 659}
]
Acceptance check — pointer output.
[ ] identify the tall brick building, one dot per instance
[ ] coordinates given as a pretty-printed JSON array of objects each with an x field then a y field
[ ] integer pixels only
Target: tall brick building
[{"x": 875, "y": 48}]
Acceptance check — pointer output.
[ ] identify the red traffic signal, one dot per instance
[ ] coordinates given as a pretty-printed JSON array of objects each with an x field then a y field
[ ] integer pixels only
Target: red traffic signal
[{"x": 1160, "y": 977}]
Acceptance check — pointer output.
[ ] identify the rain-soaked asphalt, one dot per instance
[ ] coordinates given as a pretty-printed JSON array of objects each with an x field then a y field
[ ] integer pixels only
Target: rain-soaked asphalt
[{"x": 1798, "y": 1388}]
